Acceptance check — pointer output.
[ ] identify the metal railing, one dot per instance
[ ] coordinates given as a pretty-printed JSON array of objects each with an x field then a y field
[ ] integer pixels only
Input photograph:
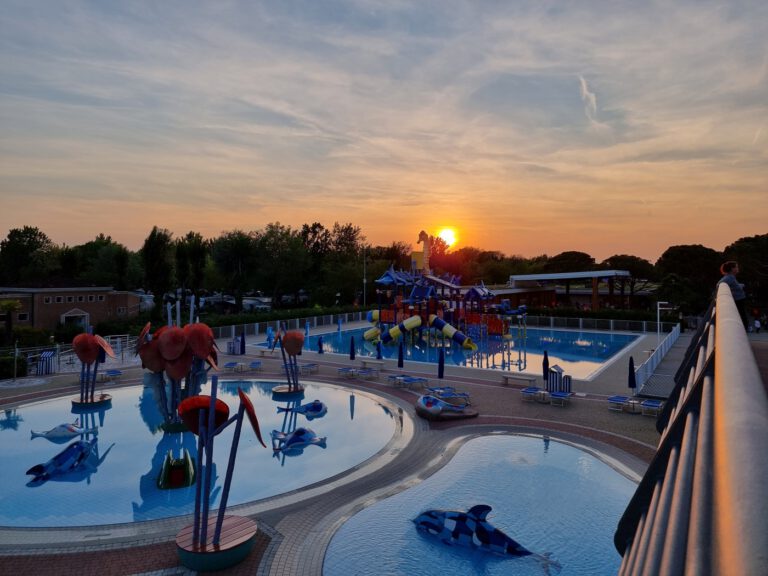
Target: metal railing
[
  {"x": 701, "y": 507},
  {"x": 646, "y": 369}
]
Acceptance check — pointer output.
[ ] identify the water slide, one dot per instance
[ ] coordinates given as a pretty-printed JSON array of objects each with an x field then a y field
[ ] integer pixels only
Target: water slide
[
  {"x": 405, "y": 326},
  {"x": 372, "y": 333},
  {"x": 459, "y": 337}
]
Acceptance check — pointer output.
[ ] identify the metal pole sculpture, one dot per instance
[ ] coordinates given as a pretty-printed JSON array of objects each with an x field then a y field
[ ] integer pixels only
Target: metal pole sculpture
[
  {"x": 291, "y": 344},
  {"x": 90, "y": 349},
  {"x": 208, "y": 416}
]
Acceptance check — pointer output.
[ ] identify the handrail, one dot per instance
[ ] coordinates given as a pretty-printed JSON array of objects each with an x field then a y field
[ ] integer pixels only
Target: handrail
[{"x": 700, "y": 507}]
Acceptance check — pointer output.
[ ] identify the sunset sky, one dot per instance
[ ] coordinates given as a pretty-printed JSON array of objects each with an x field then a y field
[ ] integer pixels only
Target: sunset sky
[{"x": 531, "y": 127}]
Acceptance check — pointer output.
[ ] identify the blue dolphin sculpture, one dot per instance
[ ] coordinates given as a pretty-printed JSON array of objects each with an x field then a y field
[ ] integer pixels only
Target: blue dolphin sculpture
[
  {"x": 469, "y": 529},
  {"x": 68, "y": 459},
  {"x": 311, "y": 410},
  {"x": 294, "y": 442}
]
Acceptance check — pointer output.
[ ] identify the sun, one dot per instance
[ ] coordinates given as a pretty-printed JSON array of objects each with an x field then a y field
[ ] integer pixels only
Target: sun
[{"x": 448, "y": 235}]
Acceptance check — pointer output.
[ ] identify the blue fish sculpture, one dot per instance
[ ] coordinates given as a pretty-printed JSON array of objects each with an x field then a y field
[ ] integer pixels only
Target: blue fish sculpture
[
  {"x": 470, "y": 529},
  {"x": 64, "y": 432},
  {"x": 65, "y": 461},
  {"x": 311, "y": 410},
  {"x": 293, "y": 443}
]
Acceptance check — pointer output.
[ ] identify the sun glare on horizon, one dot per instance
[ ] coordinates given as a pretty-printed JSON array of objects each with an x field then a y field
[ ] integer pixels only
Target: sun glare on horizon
[{"x": 448, "y": 235}]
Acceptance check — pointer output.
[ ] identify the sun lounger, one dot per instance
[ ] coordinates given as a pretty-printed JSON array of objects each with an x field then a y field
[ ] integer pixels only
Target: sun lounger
[
  {"x": 347, "y": 371},
  {"x": 559, "y": 398},
  {"x": 617, "y": 403},
  {"x": 255, "y": 365},
  {"x": 410, "y": 381},
  {"x": 308, "y": 367},
  {"x": 368, "y": 372},
  {"x": 531, "y": 393},
  {"x": 231, "y": 366},
  {"x": 651, "y": 407},
  {"x": 110, "y": 375}
]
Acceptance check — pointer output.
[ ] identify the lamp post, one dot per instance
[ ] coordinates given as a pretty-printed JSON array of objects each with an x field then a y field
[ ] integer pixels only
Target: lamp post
[
  {"x": 365, "y": 280},
  {"x": 659, "y": 308}
]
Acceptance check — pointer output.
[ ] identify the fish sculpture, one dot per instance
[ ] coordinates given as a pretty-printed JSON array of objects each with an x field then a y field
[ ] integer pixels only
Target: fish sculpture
[
  {"x": 64, "y": 432},
  {"x": 293, "y": 443},
  {"x": 72, "y": 457},
  {"x": 436, "y": 406},
  {"x": 311, "y": 410},
  {"x": 470, "y": 529}
]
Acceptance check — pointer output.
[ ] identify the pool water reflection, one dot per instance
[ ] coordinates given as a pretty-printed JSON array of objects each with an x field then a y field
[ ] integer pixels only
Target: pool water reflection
[
  {"x": 579, "y": 354},
  {"x": 120, "y": 483},
  {"x": 555, "y": 499}
]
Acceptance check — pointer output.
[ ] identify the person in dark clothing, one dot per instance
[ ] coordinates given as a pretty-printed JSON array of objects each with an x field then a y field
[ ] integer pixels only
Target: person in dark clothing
[{"x": 729, "y": 270}]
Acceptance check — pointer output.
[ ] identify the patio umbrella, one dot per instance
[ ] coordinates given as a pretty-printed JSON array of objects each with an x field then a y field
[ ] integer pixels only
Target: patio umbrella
[
  {"x": 441, "y": 364},
  {"x": 352, "y": 348},
  {"x": 320, "y": 345},
  {"x": 378, "y": 350},
  {"x": 400, "y": 355},
  {"x": 631, "y": 380},
  {"x": 242, "y": 343},
  {"x": 545, "y": 366}
]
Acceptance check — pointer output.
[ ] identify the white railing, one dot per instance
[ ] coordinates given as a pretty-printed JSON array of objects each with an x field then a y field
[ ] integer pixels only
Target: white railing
[{"x": 646, "y": 369}]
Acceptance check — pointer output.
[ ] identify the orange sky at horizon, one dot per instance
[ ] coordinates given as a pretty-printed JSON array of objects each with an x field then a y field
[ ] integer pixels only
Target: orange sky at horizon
[{"x": 524, "y": 126}]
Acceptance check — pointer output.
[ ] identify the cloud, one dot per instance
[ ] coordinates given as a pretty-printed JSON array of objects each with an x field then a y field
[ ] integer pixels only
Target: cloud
[{"x": 589, "y": 99}]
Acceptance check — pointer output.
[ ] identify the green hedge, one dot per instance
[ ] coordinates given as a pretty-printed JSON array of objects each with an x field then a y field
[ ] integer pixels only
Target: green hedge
[{"x": 6, "y": 367}]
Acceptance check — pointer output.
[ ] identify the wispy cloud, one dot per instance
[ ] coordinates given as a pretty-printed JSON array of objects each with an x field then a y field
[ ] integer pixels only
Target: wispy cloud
[{"x": 396, "y": 115}]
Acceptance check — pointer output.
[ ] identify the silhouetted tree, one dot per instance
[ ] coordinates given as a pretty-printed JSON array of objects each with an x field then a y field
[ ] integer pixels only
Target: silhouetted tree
[
  {"x": 697, "y": 270},
  {"x": 157, "y": 256},
  {"x": 642, "y": 273},
  {"x": 26, "y": 254}
]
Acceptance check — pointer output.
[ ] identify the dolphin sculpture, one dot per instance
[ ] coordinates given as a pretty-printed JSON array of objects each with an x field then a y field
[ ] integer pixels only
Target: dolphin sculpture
[
  {"x": 294, "y": 442},
  {"x": 64, "y": 432},
  {"x": 311, "y": 410},
  {"x": 65, "y": 461},
  {"x": 470, "y": 529}
]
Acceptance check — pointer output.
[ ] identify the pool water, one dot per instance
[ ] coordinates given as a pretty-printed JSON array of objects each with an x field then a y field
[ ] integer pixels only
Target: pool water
[
  {"x": 122, "y": 487},
  {"x": 580, "y": 354},
  {"x": 558, "y": 501}
]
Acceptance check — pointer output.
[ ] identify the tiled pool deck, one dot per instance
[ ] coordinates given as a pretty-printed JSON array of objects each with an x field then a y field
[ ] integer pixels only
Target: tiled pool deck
[{"x": 296, "y": 528}]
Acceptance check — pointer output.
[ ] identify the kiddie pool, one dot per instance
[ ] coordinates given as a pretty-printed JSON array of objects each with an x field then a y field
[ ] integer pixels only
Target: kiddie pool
[{"x": 119, "y": 484}]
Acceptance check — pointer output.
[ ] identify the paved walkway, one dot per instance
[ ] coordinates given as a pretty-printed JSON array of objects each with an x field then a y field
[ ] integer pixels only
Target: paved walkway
[{"x": 296, "y": 528}]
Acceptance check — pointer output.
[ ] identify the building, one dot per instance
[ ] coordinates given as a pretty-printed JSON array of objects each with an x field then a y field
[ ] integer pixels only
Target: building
[{"x": 46, "y": 308}]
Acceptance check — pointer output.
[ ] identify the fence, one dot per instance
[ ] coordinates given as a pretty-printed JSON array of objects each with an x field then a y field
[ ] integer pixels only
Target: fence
[{"x": 701, "y": 507}]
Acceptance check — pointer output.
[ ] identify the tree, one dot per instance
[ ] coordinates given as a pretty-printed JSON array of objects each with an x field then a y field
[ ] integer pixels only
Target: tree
[
  {"x": 197, "y": 256},
  {"x": 156, "y": 254},
  {"x": 25, "y": 254},
  {"x": 9, "y": 308},
  {"x": 569, "y": 262},
  {"x": 752, "y": 255},
  {"x": 234, "y": 254},
  {"x": 642, "y": 273},
  {"x": 697, "y": 268}
]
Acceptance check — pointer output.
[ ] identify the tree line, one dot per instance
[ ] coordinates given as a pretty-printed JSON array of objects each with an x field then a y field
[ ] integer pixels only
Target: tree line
[{"x": 329, "y": 263}]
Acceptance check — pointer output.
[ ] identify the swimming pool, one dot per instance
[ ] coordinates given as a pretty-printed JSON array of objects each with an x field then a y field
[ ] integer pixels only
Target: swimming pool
[
  {"x": 555, "y": 499},
  {"x": 122, "y": 487},
  {"x": 580, "y": 354}
]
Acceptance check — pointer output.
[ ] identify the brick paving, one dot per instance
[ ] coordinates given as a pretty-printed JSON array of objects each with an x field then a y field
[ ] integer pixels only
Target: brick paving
[{"x": 295, "y": 529}]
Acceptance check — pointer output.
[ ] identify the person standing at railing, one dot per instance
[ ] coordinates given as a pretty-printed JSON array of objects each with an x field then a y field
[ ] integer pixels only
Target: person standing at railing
[{"x": 729, "y": 270}]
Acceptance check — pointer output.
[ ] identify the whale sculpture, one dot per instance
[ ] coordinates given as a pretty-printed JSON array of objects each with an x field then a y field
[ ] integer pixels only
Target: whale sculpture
[
  {"x": 64, "y": 432},
  {"x": 65, "y": 461},
  {"x": 470, "y": 529},
  {"x": 311, "y": 410},
  {"x": 293, "y": 443}
]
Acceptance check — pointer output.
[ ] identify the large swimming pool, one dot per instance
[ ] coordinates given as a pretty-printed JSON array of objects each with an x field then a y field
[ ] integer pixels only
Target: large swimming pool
[
  {"x": 119, "y": 484},
  {"x": 557, "y": 500},
  {"x": 580, "y": 354}
]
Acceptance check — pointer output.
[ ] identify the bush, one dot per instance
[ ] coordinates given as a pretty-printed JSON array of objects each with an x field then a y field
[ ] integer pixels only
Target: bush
[
  {"x": 6, "y": 367},
  {"x": 27, "y": 336}
]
